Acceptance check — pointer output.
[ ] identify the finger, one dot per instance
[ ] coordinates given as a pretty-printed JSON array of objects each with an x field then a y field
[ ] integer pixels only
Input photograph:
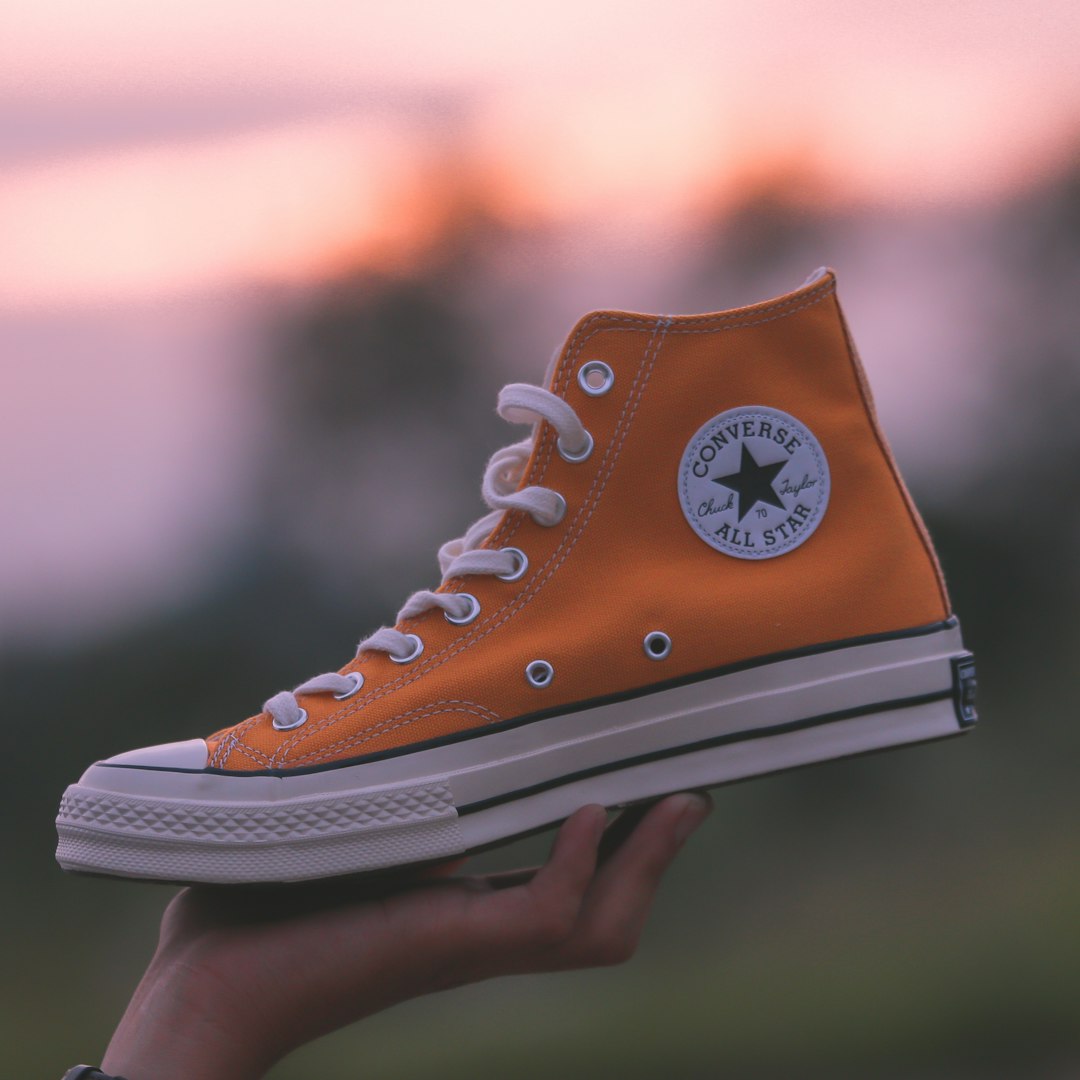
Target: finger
[
  {"x": 572, "y": 863},
  {"x": 619, "y": 831},
  {"x": 620, "y": 897},
  {"x": 545, "y": 909},
  {"x": 638, "y": 861},
  {"x": 511, "y": 879},
  {"x": 442, "y": 869},
  {"x": 613, "y": 837}
]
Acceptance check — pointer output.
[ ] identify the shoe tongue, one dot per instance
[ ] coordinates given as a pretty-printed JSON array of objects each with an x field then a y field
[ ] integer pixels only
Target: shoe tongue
[{"x": 549, "y": 371}]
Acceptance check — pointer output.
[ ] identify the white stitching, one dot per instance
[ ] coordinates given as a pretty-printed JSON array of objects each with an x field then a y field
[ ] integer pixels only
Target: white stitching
[
  {"x": 401, "y": 720},
  {"x": 513, "y": 520},
  {"x": 498, "y": 537},
  {"x": 462, "y": 705},
  {"x": 518, "y": 603}
]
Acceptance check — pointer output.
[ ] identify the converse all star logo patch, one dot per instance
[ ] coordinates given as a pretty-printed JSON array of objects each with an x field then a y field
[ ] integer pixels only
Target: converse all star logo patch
[{"x": 754, "y": 482}]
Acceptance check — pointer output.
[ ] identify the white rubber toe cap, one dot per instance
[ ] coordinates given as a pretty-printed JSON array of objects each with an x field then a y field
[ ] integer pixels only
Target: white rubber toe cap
[{"x": 189, "y": 754}]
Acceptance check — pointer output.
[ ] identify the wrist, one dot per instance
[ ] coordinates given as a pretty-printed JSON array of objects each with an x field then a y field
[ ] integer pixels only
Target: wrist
[{"x": 181, "y": 1023}]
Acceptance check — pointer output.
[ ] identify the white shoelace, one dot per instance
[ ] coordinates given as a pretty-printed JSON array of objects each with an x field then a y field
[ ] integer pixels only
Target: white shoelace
[{"x": 519, "y": 403}]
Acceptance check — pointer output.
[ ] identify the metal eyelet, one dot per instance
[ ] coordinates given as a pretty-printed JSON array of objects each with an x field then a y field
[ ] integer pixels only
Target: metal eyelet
[
  {"x": 357, "y": 682},
  {"x": 581, "y": 455},
  {"x": 560, "y": 512},
  {"x": 523, "y": 564},
  {"x": 588, "y": 382},
  {"x": 539, "y": 674},
  {"x": 301, "y": 719},
  {"x": 417, "y": 649},
  {"x": 462, "y": 620},
  {"x": 657, "y": 645}
]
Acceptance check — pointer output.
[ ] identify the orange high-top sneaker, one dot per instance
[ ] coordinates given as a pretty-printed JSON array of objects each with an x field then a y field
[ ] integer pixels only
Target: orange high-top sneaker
[{"x": 702, "y": 565}]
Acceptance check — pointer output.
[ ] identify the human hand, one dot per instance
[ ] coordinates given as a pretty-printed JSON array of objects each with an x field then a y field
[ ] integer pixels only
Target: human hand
[{"x": 241, "y": 977}]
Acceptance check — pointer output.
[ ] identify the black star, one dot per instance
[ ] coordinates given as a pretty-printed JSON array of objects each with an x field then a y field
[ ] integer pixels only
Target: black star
[{"x": 753, "y": 482}]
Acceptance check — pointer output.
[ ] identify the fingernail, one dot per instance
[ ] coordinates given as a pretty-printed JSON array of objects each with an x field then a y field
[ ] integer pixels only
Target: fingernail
[
  {"x": 696, "y": 810},
  {"x": 598, "y": 817}
]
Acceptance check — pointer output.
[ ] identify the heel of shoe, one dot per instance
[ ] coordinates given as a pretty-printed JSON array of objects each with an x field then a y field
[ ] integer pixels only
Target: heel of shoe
[{"x": 912, "y": 689}]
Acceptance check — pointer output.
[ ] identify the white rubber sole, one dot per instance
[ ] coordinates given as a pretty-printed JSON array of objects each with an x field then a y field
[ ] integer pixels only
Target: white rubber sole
[{"x": 440, "y": 802}]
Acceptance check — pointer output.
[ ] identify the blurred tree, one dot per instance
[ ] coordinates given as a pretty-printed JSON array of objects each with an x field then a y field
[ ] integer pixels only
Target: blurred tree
[
  {"x": 1011, "y": 543},
  {"x": 767, "y": 241},
  {"x": 380, "y": 434}
]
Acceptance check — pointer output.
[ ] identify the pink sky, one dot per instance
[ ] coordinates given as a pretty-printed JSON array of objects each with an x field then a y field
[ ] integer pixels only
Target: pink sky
[
  {"x": 171, "y": 147},
  {"x": 160, "y": 163}
]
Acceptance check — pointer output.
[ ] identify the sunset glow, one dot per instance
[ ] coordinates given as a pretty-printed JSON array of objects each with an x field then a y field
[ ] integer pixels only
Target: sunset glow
[
  {"x": 174, "y": 176},
  {"x": 872, "y": 116}
]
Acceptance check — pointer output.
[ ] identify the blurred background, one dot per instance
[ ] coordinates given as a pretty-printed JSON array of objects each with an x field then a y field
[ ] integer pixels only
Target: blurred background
[{"x": 262, "y": 264}]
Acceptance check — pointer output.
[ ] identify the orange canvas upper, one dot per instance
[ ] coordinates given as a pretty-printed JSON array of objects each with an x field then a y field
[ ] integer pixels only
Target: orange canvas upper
[{"x": 624, "y": 560}]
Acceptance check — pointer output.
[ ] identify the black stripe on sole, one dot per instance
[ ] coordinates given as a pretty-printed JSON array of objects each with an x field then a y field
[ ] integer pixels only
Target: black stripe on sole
[{"x": 706, "y": 744}]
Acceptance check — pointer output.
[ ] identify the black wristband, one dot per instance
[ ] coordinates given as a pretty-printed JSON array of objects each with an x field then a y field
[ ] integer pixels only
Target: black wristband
[{"x": 87, "y": 1072}]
